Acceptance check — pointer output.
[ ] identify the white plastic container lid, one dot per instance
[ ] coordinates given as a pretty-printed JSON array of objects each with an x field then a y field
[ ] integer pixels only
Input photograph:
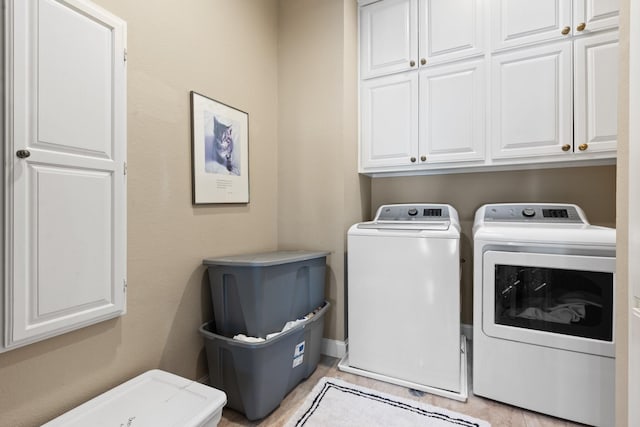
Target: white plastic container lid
[
  {"x": 266, "y": 259},
  {"x": 153, "y": 399}
]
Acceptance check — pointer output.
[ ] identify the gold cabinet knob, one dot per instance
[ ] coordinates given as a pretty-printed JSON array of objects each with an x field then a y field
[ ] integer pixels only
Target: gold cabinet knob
[
  {"x": 581, "y": 26},
  {"x": 566, "y": 30},
  {"x": 583, "y": 147},
  {"x": 566, "y": 147},
  {"x": 423, "y": 158},
  {"x": 413, "y": 160},
  {"x": 412, "y": 63},
  {"x": 423, "y": 61}
]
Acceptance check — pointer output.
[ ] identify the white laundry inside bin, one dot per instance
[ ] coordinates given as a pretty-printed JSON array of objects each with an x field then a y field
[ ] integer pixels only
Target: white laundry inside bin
[{"x": 153, "y": 399}]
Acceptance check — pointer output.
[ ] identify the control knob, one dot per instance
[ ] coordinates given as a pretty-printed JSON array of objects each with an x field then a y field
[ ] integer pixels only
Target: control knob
[
  {"x": 528, "y": 212},
  {"x": 413, "y": 212}
]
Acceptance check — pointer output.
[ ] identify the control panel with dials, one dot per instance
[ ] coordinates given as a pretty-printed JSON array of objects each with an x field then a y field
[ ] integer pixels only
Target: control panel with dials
[
  {"x": 417, "y": 212},
  {"x": 556, "y": 213}
]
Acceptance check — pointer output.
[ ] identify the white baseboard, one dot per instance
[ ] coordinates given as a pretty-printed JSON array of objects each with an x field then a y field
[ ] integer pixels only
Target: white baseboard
[{"x": 333, "y": 348}]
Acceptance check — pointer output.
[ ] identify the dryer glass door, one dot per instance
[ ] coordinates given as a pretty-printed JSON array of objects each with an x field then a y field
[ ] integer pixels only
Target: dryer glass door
[{"x": 563, "y": 301}]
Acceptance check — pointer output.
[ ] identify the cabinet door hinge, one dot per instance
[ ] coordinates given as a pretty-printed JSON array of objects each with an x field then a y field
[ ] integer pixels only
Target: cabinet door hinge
[
  {"x": 124, "y": 168},
  {"x": 124, "y": 285},
  {"x": 125, "y": 55}
]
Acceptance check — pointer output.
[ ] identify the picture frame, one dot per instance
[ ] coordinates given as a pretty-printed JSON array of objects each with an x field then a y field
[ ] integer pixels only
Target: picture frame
[{"x": 219, "y": 152}]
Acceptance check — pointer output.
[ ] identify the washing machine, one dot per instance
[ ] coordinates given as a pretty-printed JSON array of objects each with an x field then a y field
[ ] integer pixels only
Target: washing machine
[
  {"x": 543, "y": 331},
  {"x": 403, "y": 299}
]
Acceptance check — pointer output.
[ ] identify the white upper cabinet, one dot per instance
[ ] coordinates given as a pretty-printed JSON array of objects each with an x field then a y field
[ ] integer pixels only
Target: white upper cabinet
[
  {"x": 422, "y": 94},
  {"x": 65, "y": 186},
  {"x": 400, "y": 35},
  {"x": 388, "y": 37},
  {"x": 532, "y": 101},
  {"x": 389, "y": 121},
  {"x": 596, "y": 93},
  {"x": 538, "y": 79},
  {"x": 594, "y": 15},
  {"x": 415, "y": 120},
  {"x": 521, "y": 22},
  {"x": 452, "y": 112},
  {"x": 450, "y": 30},
  {"x": 557, "y": 100}
]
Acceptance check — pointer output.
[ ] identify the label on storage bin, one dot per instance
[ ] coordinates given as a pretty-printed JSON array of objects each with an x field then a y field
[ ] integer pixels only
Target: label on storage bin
[{"x": 298, "y": 354}]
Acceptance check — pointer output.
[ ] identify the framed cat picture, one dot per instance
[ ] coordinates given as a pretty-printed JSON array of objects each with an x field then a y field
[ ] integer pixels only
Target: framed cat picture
[{"x": 219, "y": 152}]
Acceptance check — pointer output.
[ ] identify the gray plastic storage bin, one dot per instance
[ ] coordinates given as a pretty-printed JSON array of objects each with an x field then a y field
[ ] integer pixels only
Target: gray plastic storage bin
[
  {"x": 256, "y": 294},
  {"x": 257, "y": 376}
]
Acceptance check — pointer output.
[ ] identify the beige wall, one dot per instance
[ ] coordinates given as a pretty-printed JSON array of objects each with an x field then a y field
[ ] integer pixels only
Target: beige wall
[
  {"x": 225, "y": 49},
  {"x": 592, "y": 188},
  {"x": 320, "y": 193}
]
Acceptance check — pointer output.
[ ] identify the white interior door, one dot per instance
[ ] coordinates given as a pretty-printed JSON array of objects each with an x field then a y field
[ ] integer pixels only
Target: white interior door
[{"x": 66, "y": 212}]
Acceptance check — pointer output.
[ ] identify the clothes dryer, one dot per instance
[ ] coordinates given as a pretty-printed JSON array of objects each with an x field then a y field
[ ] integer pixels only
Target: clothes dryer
[
  {"x": 543, "y": 336},
  {"x": 404, "y": 299}
]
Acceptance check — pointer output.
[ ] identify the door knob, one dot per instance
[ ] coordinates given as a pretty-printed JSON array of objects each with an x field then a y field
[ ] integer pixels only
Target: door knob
[
  {"x": 23, "y": 154},
  {"x": 412, "y": 63},
  {"x": 423, "y": 61},
  {"x": 566, "y": 30},
  {"x": 413, "y": 160},
  {"x": 566, "y": 147},
  {"x": 583, "y": 147},
  {"x": 423, "y": 158},
  {"x": 581, "y": 26}
]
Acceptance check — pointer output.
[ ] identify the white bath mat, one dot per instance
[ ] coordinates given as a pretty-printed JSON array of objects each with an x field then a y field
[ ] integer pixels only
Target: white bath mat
[{"x": 334, "y": 402}]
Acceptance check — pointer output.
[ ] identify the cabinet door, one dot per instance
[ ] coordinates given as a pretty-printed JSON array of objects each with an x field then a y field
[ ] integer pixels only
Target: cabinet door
[
  {"x": 452, "y": 112},
  {"x": 450, "y": 29},
  {"x": 65, "y": 202},
  {"x": 595, "y": 15},
  {"x": 389, "y": 120},
  {"x": 521, "y": 22},
  {"x": 388, "y": 37},
  {"x": 532, "y": 101},
  {"x": 596, "y": 93}
]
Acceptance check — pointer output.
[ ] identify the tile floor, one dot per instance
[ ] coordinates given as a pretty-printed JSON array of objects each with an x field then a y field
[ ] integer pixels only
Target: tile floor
[{"x": 498, "y": 414}]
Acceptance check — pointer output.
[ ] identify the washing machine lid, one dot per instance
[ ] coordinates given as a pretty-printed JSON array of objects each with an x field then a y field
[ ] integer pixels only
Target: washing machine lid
[
  {"x": 417, "y": 216},
  {"x": 153, "y": 399}
]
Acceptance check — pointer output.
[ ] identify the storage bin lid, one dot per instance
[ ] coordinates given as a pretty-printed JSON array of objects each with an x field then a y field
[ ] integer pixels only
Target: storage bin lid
[
  {"x": 265, "y": 259},
  {"x": 153, "y": 399}
]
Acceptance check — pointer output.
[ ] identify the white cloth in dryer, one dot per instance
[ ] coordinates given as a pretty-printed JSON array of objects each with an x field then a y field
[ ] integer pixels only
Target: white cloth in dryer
[
  {"x": 566, "y": 313},
  {"x": 568, "y": 308}
]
